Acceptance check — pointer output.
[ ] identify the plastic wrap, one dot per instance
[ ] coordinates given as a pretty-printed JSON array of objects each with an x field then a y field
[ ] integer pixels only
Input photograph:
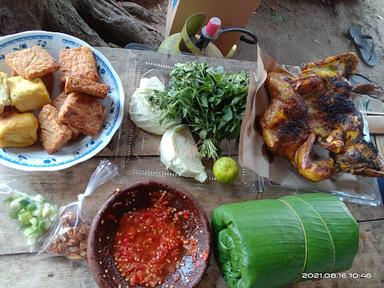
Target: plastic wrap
[
  {"x": 49, "y": 228},
  {"x": 137, "y": 145},
  {"x": 141, "y": 144},
  {"x": 69, "y": 234},
  {"x": 355, "y": 189},
  {"x": 279, "y": 176},
  {"x": 34, "y": 214}
]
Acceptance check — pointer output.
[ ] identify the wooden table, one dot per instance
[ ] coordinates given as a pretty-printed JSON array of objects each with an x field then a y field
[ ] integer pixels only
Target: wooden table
[{"x": 138, "y": 155}]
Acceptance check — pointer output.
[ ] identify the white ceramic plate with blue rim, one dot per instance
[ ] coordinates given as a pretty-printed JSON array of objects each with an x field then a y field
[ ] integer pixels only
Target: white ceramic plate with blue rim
[{"x": 35, "y": 158}]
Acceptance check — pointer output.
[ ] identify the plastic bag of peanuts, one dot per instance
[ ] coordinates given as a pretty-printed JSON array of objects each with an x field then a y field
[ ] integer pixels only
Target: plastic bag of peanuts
[{"x": 68, "y": 236}]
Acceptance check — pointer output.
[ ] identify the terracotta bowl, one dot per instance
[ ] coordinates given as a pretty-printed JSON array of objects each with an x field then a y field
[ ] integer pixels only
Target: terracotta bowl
[{"x": 105, "y": 224}]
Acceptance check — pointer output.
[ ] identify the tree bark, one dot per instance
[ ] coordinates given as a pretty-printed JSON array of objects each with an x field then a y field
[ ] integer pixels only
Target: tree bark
[
  {"x": 98, "y": 22},
  {"x": 138, "y": 11}
]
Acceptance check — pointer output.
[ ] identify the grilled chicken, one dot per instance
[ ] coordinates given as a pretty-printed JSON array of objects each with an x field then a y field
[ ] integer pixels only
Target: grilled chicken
[
  {"x": 315, "y": 107},
  {"x": 284, "y": 123}
]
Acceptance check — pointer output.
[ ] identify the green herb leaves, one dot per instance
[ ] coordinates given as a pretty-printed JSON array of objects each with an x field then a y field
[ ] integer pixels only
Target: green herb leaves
[{"x": 210, "y": 101}]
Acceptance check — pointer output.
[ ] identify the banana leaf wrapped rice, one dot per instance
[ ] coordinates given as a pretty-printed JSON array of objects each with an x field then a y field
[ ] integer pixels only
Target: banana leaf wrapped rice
[{"x": 270, "y": 243}]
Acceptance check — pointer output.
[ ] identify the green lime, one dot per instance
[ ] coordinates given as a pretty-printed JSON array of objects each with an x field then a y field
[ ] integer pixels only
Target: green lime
[{"x": 225, "y": 170}]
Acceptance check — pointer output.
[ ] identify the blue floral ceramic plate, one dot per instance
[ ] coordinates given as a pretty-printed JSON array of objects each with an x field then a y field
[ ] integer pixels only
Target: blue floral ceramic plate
[{"x": 34, "y": 158}]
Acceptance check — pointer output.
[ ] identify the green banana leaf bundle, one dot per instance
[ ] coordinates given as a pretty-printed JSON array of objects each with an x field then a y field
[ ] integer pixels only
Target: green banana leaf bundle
[{"x": 270, "y": 243}]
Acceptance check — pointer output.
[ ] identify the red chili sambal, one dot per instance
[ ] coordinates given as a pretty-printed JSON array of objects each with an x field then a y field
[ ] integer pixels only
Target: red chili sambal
[{"x": 149, "y": 244}]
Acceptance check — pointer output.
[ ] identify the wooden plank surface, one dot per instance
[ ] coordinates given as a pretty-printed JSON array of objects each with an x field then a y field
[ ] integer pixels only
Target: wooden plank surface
[
  {"x": 14, "y": 252},
  {"x": 136, "y": 154}
]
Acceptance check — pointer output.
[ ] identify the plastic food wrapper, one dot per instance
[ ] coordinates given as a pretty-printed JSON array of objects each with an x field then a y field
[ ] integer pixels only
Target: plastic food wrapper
[
  {"x": 135, "y": 144},
  {"x": 279, "y": 175},
  {"x": 34, "y": 214},
  {"x": 48, "y": 228},
  {"x": 69, "y": 234},
  {"x": 256, "y": 174}
]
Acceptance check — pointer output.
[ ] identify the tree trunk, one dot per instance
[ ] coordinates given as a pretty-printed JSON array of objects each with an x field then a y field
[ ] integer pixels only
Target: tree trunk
[{"x": 98, "y": 22}]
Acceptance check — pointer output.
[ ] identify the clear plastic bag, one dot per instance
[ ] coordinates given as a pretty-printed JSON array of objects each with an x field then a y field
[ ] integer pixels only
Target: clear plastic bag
[
  {"x": 69, "y": 233},
  {"x": 34, "y": 214},
  {"x": 48, "y": 228}
]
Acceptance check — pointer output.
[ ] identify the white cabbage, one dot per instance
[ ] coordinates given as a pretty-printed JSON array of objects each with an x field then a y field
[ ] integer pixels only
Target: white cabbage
[
  {"x": 142, "y": 112},
  {"x": 179, "y": 153}
]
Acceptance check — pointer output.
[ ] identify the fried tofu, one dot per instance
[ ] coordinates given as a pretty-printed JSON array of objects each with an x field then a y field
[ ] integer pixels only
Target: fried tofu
[
  {"x": 83, "y": 112},
  {"x": 17, "y": 129},
  {"x": 27, "y": 95},
  {"x": 32, "y": 62},
  {"x": 78, "y": 62},
  {"x": 58, "y": 102},
  {"x": 48, "y": 81},
  {"x": 4, "y": 92},
  {"x": 75, "y": 84},
  {"x": 52, "y": 133}
]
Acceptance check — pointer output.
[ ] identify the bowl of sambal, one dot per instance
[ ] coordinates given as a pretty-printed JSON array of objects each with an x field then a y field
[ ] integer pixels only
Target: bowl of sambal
[{"x": 149, "y": 234}]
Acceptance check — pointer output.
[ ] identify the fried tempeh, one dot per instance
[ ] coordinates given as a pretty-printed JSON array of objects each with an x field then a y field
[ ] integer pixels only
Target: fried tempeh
[
  {"x": 58, "y": 102},
  {"x": 78, "y": 62},
  {"x": 75, "y": 84},
  {"x": 52, "y": 133},
  {"x": 83, "y": 112},
  {"x": 31, "y": 63}
]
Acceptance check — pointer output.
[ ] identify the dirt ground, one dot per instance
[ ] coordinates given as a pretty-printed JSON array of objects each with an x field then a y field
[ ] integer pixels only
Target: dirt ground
[{"x": 296, "y": 31}]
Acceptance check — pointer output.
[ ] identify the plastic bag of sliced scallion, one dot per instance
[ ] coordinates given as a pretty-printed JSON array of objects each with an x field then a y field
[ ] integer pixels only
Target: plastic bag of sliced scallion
[
  {"x": 34, "y": 213},
  {"x": 59, "y": 231}
]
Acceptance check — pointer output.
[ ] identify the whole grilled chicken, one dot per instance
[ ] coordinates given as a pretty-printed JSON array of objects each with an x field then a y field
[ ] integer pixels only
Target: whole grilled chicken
[{"x": 315, "y": 107}]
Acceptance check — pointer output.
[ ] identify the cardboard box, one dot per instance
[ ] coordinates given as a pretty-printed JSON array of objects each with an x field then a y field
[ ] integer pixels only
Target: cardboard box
[{"x": 234, "y": 13}]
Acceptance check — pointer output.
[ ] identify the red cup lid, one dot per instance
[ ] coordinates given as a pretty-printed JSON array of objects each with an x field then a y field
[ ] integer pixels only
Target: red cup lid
[{"x": 213, "y": 26}]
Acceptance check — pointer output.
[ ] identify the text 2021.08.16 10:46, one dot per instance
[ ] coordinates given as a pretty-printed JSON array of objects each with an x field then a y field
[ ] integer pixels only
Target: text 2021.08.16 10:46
[{"x": 343, "y": 275}]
